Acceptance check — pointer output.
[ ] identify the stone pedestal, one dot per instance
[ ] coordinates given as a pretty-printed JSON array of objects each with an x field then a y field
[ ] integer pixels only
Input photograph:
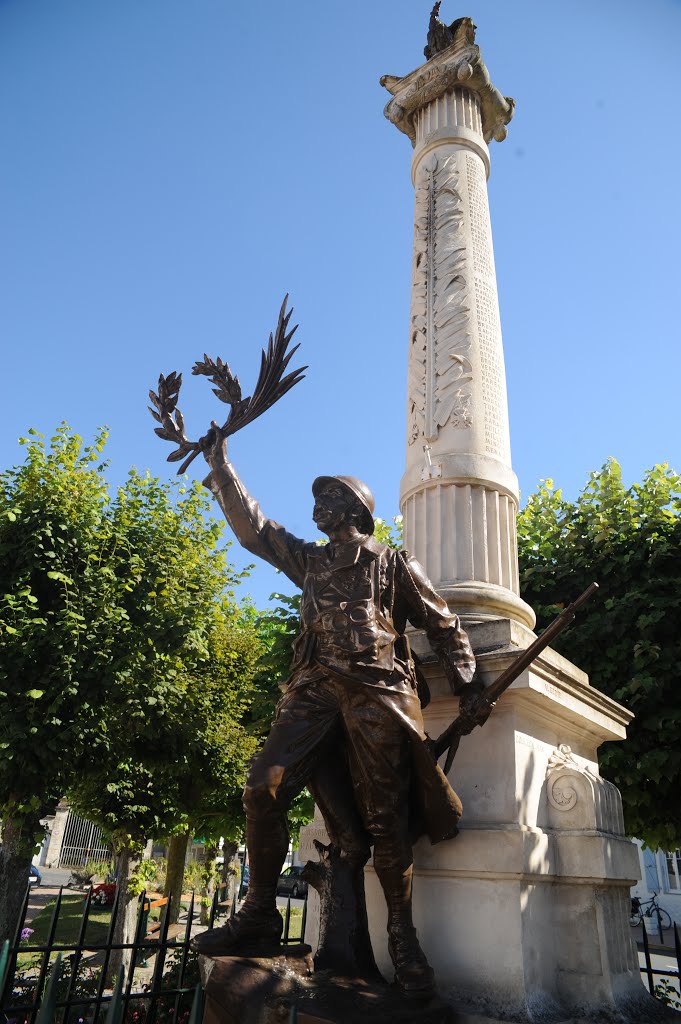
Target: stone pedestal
[{"x": 526, "y": 913}]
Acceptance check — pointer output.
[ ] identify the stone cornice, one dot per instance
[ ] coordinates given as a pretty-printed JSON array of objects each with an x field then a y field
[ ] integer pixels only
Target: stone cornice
[{"x": 460, "y": 64}]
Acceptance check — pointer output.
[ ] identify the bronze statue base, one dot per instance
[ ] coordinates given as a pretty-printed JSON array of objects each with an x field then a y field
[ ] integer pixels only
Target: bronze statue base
[{"x": 259, "y": 990}]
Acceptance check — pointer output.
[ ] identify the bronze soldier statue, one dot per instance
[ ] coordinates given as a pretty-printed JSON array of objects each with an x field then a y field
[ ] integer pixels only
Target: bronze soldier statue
[{"x": 349, "y": 725}]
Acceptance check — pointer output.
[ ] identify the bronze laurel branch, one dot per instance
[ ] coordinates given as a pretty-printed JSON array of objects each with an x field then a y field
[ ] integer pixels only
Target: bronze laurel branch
[{"x": 271, "y": 385}]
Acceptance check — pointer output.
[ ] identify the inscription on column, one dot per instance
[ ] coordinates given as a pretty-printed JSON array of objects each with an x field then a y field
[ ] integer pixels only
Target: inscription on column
[
  {"x": 440, "y": 370},
  {"x": 491, "y": 371},
  {"x": 487, "y": 310},
  {"x": 482, "y": 250}
]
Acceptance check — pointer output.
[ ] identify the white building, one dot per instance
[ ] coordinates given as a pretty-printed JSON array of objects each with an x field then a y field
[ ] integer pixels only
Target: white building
[{"x": 660, "y": 873}]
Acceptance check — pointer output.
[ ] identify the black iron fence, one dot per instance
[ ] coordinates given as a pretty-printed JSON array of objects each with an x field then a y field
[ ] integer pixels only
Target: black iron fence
[
  {"x": 54, "y": 982},
  {"x": 81, "y": 983},
  {"x": 650, "y": 973}
]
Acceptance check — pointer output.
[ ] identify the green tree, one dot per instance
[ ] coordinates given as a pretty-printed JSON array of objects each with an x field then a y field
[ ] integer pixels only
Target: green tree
[
  {"x": 628, "y": 539},
  {"x": 168, "y": 752},
  {"x": 58, "y": 620},
  {"x": 112, "y": 611}
]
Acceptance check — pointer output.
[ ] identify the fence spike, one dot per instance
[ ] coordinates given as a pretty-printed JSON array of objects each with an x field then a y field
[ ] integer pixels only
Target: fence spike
[
  {"x": 197, "y": 1006},
  {"x": 6, "y": 991},
  {"x": 80, "y": 943},
  {"x": 115, "y": 1014},
  {"x": 45, "y": 965},
  {"x": 4, "y": 961},
  {"x": 646, "y": 955},
  {"x": 48, "y": 1006},
  {"x": 287, "y": 923},
  {"x": 107, "y": 953}
]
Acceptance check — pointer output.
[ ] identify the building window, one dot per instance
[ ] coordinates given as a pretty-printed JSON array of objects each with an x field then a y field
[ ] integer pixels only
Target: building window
[
  {"x": 651, "y": 877},
  {"x": 673, "y": 859}
]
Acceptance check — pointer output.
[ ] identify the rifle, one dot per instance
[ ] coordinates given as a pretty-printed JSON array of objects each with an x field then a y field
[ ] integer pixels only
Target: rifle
[{"x": 479, "y": 709}]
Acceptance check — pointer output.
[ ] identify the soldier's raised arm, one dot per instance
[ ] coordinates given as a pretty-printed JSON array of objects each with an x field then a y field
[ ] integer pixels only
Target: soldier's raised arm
[{"x": 254, "y": 531}]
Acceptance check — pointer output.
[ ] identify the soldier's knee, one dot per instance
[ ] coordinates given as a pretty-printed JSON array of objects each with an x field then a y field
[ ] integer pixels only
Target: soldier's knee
[
  {"x": 390, "y": 830},
  {"x": 258, "y": 799},
  {"x": 355, "y": 849}
]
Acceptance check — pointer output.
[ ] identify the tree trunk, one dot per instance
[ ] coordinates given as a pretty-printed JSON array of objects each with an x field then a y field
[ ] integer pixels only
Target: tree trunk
[
  {"x": 127, "y": 861},
  {"x": 344, "y": 943},
  {"x": 208, "y": 887},
  {"x": 231, "y": 871},
  {"x": 177, "y": 854},
  {"x": 16, "y": 853}
]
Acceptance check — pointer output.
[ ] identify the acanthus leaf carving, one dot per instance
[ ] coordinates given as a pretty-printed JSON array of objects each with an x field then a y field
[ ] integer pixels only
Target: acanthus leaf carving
[{"x": 440, "y": 371}]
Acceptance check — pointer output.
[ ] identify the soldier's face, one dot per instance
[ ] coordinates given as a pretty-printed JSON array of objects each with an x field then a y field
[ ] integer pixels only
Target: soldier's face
[{"x": 331, "y": 507}]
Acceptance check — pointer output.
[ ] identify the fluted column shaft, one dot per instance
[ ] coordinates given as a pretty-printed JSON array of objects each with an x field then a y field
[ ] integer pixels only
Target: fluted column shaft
[{"x": 459, "y": 494}]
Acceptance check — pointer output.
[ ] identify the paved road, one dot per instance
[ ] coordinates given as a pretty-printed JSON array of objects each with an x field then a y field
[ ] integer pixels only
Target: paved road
[
  {"x": 54, "y": 877},
  {"x": 654, "y": 937}
]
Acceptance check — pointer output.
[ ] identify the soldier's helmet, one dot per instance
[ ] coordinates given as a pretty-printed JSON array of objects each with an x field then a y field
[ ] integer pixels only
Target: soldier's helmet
[{"x": 359, "y": 491}]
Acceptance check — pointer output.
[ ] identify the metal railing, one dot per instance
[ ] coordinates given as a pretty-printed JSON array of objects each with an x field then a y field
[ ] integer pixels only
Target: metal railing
[
  {"x": 55, "y": 995},
  {"x": 648, "y": 971},
  {"x": 82, "y": 841},
  {"x": 78, "y": 975}
]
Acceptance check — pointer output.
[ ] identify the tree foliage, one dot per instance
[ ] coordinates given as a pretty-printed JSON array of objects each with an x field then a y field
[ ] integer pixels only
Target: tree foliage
[
  {"x": 125, "y": 663},
  {"x": 59, "y": 617},
  {"x": 628, "y": 539}
]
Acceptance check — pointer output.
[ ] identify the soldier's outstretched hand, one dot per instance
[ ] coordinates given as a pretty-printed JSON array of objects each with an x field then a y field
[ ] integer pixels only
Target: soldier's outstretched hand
[{"x": 214, "y": 447}]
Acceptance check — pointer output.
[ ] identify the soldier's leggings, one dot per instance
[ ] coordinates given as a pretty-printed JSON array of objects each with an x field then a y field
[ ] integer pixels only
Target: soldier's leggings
[{"x": 353, "y": 755}]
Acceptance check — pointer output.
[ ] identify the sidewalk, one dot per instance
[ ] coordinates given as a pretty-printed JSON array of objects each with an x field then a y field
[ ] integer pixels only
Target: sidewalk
[{"x": 654, "y": 943}]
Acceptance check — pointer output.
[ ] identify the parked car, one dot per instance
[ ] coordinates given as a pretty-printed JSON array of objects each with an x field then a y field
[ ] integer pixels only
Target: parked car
[
  {"x": 290, "y": 883},
  {"x": 34, "y": 877}
]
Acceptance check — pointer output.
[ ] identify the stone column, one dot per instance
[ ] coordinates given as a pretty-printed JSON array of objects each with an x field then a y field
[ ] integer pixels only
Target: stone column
[
  {"x": 524, "y": 915},
  {"x": 459, "y": 494}
]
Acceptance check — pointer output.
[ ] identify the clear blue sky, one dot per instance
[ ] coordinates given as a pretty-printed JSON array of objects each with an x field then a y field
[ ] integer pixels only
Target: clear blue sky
[{"x": 171, "y": 167}]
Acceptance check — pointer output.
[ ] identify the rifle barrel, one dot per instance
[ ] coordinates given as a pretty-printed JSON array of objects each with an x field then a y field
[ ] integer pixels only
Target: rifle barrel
[
  {"x": 520, "y": 663},
  {"x": 535, "y": 648}
]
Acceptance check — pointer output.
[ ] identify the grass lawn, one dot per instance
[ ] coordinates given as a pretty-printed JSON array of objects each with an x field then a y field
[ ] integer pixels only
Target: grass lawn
[
  {"x": 68, "y": 925},
  {"x": 295, "y": 921},
  {"x": 70, "y": 916}
]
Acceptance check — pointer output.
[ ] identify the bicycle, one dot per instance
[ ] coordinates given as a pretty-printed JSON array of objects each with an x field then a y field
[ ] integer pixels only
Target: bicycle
[{"x": 663, "y": 919}]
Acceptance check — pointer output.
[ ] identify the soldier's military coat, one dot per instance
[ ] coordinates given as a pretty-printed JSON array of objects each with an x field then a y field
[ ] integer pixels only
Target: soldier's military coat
[{"x": 356, "y": 601}]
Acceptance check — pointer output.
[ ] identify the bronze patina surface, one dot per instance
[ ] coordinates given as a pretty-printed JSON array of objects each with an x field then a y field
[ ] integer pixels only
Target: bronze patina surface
[{"x": 349, "y": 725}]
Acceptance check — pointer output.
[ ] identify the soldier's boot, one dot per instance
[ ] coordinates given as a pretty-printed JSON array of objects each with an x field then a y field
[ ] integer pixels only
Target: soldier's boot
[
  {"x": 256, "y": 929},
  {"x": 413, "y": 974}
]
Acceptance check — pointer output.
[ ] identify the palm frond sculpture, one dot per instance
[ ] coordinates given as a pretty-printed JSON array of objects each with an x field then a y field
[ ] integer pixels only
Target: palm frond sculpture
[{"x": 271, "y": 385}]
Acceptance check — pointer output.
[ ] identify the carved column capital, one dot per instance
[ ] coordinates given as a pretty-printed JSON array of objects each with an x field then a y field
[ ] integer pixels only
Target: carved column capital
[{"x": 460, "y": 64}]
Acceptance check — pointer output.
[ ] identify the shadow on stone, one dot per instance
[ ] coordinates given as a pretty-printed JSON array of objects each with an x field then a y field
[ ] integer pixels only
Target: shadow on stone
[{"x": 245, "y": 990}]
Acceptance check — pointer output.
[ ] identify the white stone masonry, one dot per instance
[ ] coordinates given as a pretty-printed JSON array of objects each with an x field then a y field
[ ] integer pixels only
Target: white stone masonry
[{"x": 459, "y": 494}]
